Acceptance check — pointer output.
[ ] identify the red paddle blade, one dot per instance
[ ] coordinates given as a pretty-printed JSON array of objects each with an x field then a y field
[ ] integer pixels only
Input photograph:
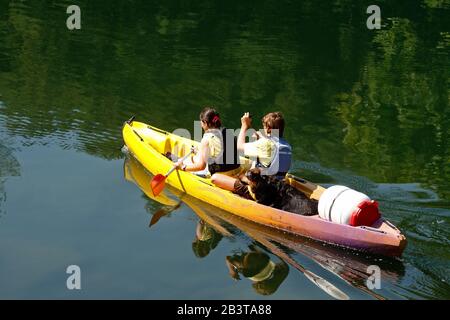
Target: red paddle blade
[{"x": 157, "y": 184}]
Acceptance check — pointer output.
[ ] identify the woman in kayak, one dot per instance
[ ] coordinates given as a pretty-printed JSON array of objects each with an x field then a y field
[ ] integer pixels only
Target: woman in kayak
[
  {"x": 212, "y": 152},
  {"x": 270, "y": 153}
]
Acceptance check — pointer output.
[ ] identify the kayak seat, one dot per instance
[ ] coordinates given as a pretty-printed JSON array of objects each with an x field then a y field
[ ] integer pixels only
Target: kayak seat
[
  {"x": 202, "y": 174},
  {"x": 157, "y": 140}
]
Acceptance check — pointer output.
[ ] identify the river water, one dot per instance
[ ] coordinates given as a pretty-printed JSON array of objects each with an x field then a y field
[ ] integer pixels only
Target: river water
[{"x": 365, "y": 108}]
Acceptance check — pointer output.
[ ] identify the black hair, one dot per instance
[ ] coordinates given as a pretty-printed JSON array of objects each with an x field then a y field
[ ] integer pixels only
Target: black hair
[{"x": 211, "y": 117}]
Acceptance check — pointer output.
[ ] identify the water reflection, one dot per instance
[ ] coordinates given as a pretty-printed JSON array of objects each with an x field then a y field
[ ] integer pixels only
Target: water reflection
[
  {"x": 370, "y": 105},
  {"x": 256, "y": 264},
  {"x": 206, "y": 239},
  {"x": 253, "y": 263},
  {"x": 9, "y": 167}
]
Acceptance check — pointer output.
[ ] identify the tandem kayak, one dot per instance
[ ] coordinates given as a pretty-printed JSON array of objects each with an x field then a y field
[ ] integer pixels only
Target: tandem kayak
[{"x": 149, "y": 145}]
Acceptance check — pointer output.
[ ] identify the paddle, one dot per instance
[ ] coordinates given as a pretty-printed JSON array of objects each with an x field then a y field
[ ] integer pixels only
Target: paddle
[
  {"x": 159, "y": 181},
  {"x": 161, "y": 213}
]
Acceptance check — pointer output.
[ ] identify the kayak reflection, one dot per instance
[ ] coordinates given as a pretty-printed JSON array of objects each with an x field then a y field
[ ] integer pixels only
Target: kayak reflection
[{"x": 255, "y": 264}]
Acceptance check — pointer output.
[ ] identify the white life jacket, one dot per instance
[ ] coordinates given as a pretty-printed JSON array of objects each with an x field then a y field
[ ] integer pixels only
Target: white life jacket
[{"x": 281, "y": 160}]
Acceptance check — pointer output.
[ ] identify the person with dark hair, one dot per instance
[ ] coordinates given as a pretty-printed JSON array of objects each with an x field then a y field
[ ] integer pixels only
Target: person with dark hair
[{"x": 212, "y": 154}]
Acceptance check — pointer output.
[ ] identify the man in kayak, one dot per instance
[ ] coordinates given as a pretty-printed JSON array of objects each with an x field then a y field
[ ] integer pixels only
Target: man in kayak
[
  {"x": 270, "y": 153},
  {"x": 212, "y": 154}
]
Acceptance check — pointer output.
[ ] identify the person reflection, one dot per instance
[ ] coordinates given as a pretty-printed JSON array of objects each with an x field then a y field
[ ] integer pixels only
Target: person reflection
[
  {"x": 256, "y": 265},
  {"x": 206, "y": 239}
]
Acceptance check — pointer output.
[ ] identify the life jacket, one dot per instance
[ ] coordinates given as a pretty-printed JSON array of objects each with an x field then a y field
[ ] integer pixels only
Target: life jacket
[
  {"x": 281, "y": 161},
  {"x": 222, "y": 163}
]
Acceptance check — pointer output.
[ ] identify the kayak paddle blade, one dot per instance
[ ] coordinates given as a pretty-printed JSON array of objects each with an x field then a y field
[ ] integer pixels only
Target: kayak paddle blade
[
  {"x": 157, "y": 184},
  {"x": 156, "y": 216},
  {"x": 161, "y": 213}
]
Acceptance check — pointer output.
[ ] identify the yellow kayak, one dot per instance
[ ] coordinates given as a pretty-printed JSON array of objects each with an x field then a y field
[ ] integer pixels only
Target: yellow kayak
[{"x": 149, "y": 146}]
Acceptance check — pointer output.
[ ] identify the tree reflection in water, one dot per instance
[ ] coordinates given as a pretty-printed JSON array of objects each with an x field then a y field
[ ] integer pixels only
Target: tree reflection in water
[{"x": 9, "y": 167}]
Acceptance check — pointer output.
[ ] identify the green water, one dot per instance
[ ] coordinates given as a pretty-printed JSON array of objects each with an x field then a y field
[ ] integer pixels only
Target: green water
[{"x": 365, "y": 108}]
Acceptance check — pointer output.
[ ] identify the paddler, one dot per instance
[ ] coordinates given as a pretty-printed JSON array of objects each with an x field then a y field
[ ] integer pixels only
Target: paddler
[
  {"x": 212, "y": 156},
  {"x": 271, "y": 153}
]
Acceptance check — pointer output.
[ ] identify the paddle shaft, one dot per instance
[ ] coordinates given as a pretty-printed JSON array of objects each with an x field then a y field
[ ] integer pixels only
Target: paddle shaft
[
  {"x": 159, "y": 181},
  {"x": 174, "y": 168}
]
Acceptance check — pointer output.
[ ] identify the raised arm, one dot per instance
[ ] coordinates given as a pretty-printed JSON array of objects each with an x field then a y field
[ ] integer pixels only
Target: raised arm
[{"x": 246, "y": 123}]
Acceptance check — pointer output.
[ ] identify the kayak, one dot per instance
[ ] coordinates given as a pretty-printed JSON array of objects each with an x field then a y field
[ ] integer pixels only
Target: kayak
[{"x": 149, "y": 145}]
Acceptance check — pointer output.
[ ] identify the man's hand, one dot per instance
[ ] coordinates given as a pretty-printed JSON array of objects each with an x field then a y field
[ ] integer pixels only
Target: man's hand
[{"x": 246, "y": 121}]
